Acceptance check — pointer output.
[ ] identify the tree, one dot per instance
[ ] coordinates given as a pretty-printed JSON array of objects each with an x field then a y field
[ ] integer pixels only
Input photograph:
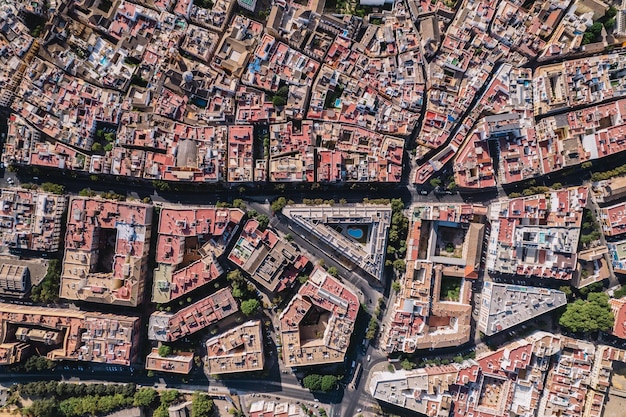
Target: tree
[
  {"x": 235, "y": 276},
  {"x": 279, "y": 101},
  {"x": 86, "y": 192},
  {"x": 108, "y": 147},
  {"x": 169, "y": 396},
  {"x": 328, "y": 383},
  {"x": 38, "y": 364},
  {"x": 264, "y": 221},
  {"x": 588, "y": 316},
  {"x": 165, "y": 351},
  {"x": 278, "y": 204},
  {"x": 161, "y": 411},
  {"x": 596, "y": 28},
  {"x": 250, "y": 307},
  {"x": 283, "y": 91},
  {"x": 333, "y": 271},
  {"x": 435, "y": 182},
  {"x": 591, "y": 288},
  {"x": 567, "y": 290},
  {"x": 161, "y": 185},
  {"x": 407, "y": 365},
  {"x": 312, "y": 382},
  {"x": 586, "y": 165},
  {"x": 372, "y": 328},
  {"x": 399, "y": 265},
  {"x": 145, "y": 397},
  {"x": 201, "y": 405},
  {"x": 47, "y": 407},
  {"x": 96, "y": 147},
  {"x": 53, "y": 188},
  {"x": 396, "y": 286},
  {"x": 588, "y": 37}
]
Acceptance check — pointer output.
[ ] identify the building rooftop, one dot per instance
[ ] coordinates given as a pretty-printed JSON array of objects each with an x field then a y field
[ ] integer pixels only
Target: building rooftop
[
  {"x": 190, "y": 240},
  {"x": 504, "y": 306},
  {"x": 618, "y": 306},
  {"x": 106, "y": 251},
  {"x": 168, "y": 327},
  {"x": 67, "y": 334},
  {"x": 240, "y": 349},
  {"x": 537, "y": 235},
  {"x": 357, "y": 231},
  {"x": 542, "y": 374},
  {"x": 270, "y": 261},
  {"x": 179, "y": 363},
  {"x": 613, "y": 219},
  {"x": 609, "y": 190},
  {"x": 30, "y": 221},
  {"x": 264, "y": 408},
  {"x": 316, "y": 325},
  {"x": 433, "y": 308},
  {"x": 14, "y": 280}
]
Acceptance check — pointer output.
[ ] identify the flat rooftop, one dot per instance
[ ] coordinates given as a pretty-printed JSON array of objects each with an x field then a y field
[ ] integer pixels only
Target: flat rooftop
[
  {"x": 72, "y": 334},
  {"x": 357, "y": 231},
  {"x": 106, "y": 251},
  {"x": 317, "y": 324},
  {"x": 30, "y": 220},
  {"x": 178, "y": 363},
  {"x": 504, "y": 306},
  {"x": 168, "y": 327},
  {"x": 240, "y": 349}
]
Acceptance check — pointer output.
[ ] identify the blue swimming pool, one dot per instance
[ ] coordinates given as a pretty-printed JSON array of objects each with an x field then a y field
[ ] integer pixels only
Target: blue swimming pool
[
  {"x": 200, "y": 102},
  {"x": 355, "y": 232}
]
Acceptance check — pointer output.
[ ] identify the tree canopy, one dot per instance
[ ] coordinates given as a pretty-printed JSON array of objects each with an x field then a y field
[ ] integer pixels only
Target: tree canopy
[
  {"x": 329, "y": 382},
  {"x": 278, "y": 204},
  {"x": 312, "y": 382},
  {"x": 201, "y": 405},
  {"x": 145, "y": 397},
  {"x": 588, "y": 316},
  {"x": 316, "y": 382},
  {"x": 165, "y": 350},
  {"x": 249, "y": 307}
]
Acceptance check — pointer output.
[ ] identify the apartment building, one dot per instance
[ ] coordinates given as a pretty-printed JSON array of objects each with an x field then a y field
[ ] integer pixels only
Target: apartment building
[
  {"x": 537, "y": 235},
  {"x": 316, "y": 325},
  {"x": 30, "y": 221},
  {"x": 358, "y": 232},
  {"x": 106, "y": 251},
  {"x": 504, "y": 306},
  {"x": 190, "y": 242},
  {"x": 178, "y": 363},
  {"x": 540, "y": 375},
  {"x": 270, "y": 261},
  {"x": 239, "y": 349},
  {"x": 67, "y": 334},
  {"x": 433, "y": 308},
  {"x": 169, "y": 327}
]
